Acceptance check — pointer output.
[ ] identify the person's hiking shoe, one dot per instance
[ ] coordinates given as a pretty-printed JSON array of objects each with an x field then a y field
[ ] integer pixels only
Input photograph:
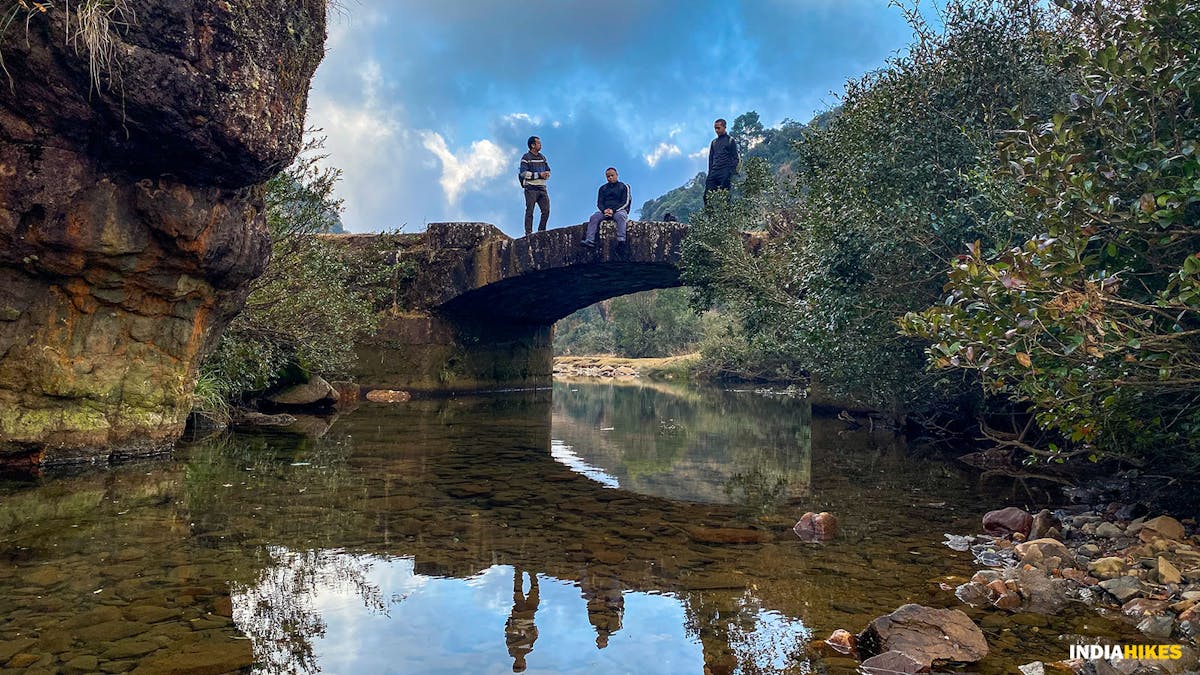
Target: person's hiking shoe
[{"x": 588, "y": 243}]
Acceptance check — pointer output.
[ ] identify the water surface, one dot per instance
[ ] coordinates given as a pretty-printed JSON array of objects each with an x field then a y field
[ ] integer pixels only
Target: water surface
[{"x": 592, "y": 529}]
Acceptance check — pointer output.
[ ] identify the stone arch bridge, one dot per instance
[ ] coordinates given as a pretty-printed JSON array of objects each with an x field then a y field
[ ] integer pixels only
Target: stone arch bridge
[{"x": 476, "y": 310}]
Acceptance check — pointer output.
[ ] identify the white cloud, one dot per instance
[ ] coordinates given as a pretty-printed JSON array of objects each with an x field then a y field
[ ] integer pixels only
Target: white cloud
[
  {"x": 468, "y": 170},
  {"x": 663, "y": 150},
  {"x": 512, "y": 118},
  {"x": 699, "y": 154},
  {"x": 364, "y": 135}
]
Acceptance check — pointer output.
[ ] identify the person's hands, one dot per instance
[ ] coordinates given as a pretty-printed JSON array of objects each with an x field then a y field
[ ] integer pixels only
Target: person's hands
[
  {"x": 608, "y": 212},
  {"x": 545, "y": 174}
]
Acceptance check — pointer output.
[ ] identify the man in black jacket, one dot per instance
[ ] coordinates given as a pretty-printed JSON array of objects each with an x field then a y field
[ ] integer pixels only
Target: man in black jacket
[
  {"x": 533, "y": 174},
  {"x": 612, "y": 203},
  {"x": 722, "y": 161}
]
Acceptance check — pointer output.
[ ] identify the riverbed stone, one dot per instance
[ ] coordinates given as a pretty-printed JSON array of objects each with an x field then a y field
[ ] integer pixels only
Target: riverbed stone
[
  {"x": 1107, "y": 568},
  {"x": 1123, "y": 588},
  {"x": 816, "y": 527},
  {"x": 891, "y": 662},
  {"x": 1007, "y": 521},
  {"x": 842, "y": 641},
  {"x": 1167, "y": 573},
  {"x": 1157, "y": 626},
  {"x": 315, "y": 392},
  {"x": 1141, "y": 607},
  {"x": 198, "y": 658},
  {"x": 1162, "y": 527},
  {"x": 1041, "y": 594},
  {"x": 925, "y": 634},
  {"x": 1043, "y": 522},
  {"x": 1109, "y": 530},
  {"x": 1047, "y": 548},
  {"x": 973, "y": 594}
]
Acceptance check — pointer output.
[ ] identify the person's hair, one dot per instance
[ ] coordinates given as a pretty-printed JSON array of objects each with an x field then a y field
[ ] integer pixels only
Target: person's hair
[
  {"x": 529, "y": 143},
  {"x": 720, "y": 120},
  {"x": 612, "y": 169}
]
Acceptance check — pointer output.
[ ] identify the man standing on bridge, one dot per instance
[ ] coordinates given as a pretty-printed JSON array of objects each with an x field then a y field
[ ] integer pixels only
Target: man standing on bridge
[
  {"x": 722, "y": 161},
  {"x": 533, "y": 174},
  {"x": 612, "y": 202}
]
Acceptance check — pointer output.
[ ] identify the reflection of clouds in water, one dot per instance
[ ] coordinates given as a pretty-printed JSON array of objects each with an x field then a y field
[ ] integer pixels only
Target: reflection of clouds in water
[
  {"x": 450, "y": 625},
  {"x": 775, "y": 644},
  {"x": 565, "y": 455}
]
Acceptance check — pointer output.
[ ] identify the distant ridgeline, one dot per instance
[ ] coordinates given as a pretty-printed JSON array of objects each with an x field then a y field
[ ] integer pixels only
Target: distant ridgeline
[{"x": 775, "y": 145}]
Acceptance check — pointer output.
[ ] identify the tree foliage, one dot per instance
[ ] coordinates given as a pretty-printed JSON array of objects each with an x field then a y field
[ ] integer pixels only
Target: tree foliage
[
  {"x": 649, "y": 324},
  {"x": 311, "y": 305},
  {"x": 1094, "y": 318},
  {"x": 878, "y": 202}
]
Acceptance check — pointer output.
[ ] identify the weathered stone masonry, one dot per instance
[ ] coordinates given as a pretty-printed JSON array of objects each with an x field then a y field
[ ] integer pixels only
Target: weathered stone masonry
[{"x": 480, "y": 310}]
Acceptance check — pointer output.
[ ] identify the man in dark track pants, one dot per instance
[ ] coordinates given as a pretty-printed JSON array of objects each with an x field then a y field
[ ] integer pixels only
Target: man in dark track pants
[
  {"x": 612, "y": 203},
  {"x": 533, "y": 174},
  {"x": 722, "y": 161}
]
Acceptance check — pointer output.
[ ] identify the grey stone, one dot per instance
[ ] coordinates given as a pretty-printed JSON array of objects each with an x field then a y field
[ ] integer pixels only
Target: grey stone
[{"x": 1123, "y": 588}]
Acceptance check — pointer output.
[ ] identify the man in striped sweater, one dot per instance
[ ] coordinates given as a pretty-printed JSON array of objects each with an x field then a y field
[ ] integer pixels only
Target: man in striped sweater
[{"x": 533, "y": 174}]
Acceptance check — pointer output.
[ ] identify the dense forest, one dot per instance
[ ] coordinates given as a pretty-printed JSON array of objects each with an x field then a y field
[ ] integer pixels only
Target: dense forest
[{"x": 1002, "y": 222}]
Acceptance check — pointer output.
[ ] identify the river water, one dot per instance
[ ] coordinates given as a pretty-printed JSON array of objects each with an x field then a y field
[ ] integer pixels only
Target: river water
[{"x": 597, "y": 528}]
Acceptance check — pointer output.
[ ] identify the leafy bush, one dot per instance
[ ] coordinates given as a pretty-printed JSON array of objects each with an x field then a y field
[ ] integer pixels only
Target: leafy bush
[
  {"x": 313, "y": 303},
  {"x": 1094, "y": 320},
  {"x": 879, "y": 200}
]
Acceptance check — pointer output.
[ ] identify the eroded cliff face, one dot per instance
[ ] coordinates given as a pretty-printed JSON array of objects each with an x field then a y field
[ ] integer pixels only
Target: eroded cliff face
[{"x": 131, "y": 214}]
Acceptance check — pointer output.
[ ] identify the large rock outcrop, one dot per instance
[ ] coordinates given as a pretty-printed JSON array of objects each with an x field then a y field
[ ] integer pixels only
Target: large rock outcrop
[{"x": 131, "y": 212}]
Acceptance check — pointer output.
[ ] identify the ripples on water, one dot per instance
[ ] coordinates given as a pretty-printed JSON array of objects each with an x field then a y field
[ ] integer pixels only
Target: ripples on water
[{"x": 581, "y": 533}]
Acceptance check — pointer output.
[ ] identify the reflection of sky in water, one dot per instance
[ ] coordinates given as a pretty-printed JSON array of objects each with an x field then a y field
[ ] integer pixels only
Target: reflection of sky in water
[
  {"x": 453, "y": 626},
  {"x": 565, "y": 454}
]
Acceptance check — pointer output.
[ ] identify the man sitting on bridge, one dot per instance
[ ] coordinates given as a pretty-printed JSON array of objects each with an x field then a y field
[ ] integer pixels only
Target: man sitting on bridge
[{"x": 612, "y": 202}]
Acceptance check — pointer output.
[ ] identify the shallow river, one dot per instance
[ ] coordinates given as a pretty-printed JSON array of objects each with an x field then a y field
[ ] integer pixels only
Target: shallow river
[{"x": 594, "y": 529}]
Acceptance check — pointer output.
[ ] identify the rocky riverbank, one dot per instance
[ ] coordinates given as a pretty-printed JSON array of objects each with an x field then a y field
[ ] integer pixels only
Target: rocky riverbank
[
  {"x": 1120, "y": 560},
  {"x": 619, "y": 368}
]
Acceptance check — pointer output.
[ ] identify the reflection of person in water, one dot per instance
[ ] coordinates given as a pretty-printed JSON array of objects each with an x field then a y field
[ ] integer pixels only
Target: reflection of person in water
[
  {"x": 605, "y": 603},
  {"x": 520, "y": 632}
]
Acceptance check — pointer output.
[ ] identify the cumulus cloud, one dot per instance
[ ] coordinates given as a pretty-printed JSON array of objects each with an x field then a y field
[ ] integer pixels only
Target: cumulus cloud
[
  {"x": 515, "y": 118},
  {"x": 662, "y": 150},
  {"x": 468, "y": 169},
  {"x": 365, "y": 133},
  {"x": 699, "y": 154}
]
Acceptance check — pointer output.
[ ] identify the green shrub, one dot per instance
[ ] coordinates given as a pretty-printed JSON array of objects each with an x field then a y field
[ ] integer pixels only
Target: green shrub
[
  {"x": 1095, "y": 320},
  {"x": 880, "y": 199},
  {"x": 314, "y": 302}
]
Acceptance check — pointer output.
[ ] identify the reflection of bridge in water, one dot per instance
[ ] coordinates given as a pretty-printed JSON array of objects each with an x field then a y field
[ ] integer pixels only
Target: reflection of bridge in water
[
  {"x": 460, "y": 499},
  {"x": 465, "y": 494}
]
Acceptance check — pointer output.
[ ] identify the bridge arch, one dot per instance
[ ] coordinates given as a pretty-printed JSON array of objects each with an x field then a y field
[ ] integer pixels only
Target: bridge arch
[{"x": 479, "y": 311}]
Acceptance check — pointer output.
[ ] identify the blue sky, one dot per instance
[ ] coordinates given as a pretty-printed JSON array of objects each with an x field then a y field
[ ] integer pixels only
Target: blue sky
[{"x": 427, "y": 105}]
